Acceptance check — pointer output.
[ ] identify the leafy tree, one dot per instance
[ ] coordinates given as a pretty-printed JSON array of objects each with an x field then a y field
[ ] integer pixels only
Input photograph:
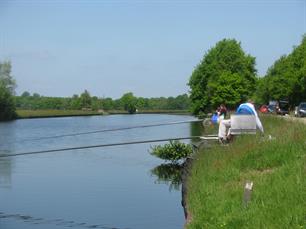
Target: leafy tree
[
  {"x": 180, "y": 102},
  {"x": 129, "y": 101},
  {"x": 85, "y": 99},
  {"x": 7, "y": 86},
  {"x": 107, "y": 103},
  {"x": 26, "y": 94},
  {"x": 36, "y": 95},
  {"x": 228, "y": 88},
  {"x": 6, "y": 78},
  {"x": 142, "y": 103},
  {"x": 286, "y": 78},
  {"x": 261, "y": 96},
  {"x": 96, "y": 103},
  {"x": 7, "y": 105},
  {"x": 75, "y": 103},
  {"x": 222, "y": 64}
]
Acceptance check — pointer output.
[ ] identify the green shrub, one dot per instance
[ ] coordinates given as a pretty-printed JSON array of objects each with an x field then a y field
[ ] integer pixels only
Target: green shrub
[{"x": 172, "y": 151}]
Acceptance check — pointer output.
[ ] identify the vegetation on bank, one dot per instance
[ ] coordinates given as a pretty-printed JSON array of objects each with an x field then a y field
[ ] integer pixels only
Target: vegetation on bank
[
  {"x": 7, "y": 87},
  {"x": 227, "y": 75},
  {"x": 173, "y": 151},
  {"x": 277, "y": 167},
  {"x": 286, "y": 78},
  {"x": 53, "y": 113},
  {"x": 62, "y": 113},
  {"x": 128, "y": 102}
]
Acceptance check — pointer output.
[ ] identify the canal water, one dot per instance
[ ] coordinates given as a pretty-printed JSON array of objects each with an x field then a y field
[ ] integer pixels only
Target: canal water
[{"x": 113, "y": 187}]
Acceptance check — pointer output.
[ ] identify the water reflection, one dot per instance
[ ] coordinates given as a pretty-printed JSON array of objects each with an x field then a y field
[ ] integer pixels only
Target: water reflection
[
  {"x": 55, "y": 222},
  {"x": 175, "y": 175},
  {"x": 170, "y": 174},
  {"x": 5, "y": 171},
  {"x": 6, "y": 134},
  {"x": 198, "y": 129}
]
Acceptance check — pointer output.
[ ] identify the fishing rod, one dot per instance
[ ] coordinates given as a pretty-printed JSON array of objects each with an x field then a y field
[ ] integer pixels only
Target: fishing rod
[
  {"x": 210, "y": 137},
  {"x": 108, "y": 130}
]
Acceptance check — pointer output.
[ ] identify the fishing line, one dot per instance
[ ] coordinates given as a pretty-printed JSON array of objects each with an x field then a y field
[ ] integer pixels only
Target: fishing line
[
  {"x": 106, "y": 145},
  {"x": 107, "y": 130}
]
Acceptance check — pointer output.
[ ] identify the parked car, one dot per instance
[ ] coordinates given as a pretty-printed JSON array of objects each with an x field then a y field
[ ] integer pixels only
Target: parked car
[
  {"x": 264, "y": 109},
  {"x": 272, "y": 106},
  {"x": 282, "y": 107},
  {"x": 301, "y": 110}
]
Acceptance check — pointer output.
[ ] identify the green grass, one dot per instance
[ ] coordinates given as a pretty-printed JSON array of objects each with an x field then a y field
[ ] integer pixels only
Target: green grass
[
  {"x": 53, "y": 113},
  {"x": 277, "y": 168}
]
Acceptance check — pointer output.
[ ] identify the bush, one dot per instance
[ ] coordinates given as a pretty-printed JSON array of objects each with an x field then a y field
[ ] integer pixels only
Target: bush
[{"x": 172, "y": 151}]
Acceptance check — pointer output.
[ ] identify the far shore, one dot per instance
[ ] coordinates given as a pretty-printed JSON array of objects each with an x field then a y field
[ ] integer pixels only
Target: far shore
[{"x": 27, "y": 114}]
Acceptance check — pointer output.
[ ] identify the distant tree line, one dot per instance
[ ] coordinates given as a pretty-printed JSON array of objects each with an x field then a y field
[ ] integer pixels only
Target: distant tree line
[{"x": 127, "y": 102}]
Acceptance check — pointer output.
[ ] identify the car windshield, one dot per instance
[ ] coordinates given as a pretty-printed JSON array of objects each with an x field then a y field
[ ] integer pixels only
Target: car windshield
[
  {"x": 271, "y": 107},
  {"x": 303, "y": 105},
  {"x": 284, "y": 105}
]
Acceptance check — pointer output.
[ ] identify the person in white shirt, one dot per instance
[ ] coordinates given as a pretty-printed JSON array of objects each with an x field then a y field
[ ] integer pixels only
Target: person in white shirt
[{"x": 244, "y": 108}]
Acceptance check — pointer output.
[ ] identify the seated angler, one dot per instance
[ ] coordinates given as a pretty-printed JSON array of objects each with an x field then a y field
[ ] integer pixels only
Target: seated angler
[{"x": 244, "y": 108}]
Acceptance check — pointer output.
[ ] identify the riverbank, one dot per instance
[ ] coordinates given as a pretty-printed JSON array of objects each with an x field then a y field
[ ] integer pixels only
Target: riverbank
[
  {"x": 23, "y": 114},
  {"x": 275, "y": 165}
]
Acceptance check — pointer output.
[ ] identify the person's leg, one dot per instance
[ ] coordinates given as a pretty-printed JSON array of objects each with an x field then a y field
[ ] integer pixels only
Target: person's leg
[{"x": 223, "y": 126}]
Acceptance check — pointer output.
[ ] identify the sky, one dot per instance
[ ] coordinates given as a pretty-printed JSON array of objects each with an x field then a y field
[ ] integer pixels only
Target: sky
[{"x": 150, "y": 48}]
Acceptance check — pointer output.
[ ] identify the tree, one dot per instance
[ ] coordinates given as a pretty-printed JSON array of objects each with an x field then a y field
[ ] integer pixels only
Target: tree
[
  {"x": 85, "y": 99},
  {"x": 7, "y": 87},
  {"x": 36, "y": 95},
  {"x": 25, "y": 94},
  {"x": 7, "y": 105},
  {"x": 229, "y": 88},
  {"x": 96, "y": 103},
  {"x": 218, "y": 70},
  {"x": 129, "y": 101},
  {"x": 6, "y": 78},
  {"x": 286, "y": 78},
  {"x": 107, "y": 103}
]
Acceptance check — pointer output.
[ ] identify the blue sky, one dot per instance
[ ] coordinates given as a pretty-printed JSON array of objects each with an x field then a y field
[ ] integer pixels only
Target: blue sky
[{"x": 60, "y": 48}]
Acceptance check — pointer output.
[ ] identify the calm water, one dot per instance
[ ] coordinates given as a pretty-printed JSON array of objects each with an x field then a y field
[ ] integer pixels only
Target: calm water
[{"x": 114, "y": 187}]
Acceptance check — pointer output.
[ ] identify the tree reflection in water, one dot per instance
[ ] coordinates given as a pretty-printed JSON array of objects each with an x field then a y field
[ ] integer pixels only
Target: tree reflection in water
[
  {"x": 170, "y": 174},
  {"x": 5, "y": 170}
]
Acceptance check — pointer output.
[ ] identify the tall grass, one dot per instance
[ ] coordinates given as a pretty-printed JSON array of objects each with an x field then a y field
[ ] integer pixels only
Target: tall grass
[{"x": 276, "y": 166}]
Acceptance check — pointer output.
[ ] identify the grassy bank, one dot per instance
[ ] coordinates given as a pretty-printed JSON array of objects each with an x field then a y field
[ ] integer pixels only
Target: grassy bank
[
  {"x": 53, "y": 113},
  {"x": 277, "y": 168}
]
